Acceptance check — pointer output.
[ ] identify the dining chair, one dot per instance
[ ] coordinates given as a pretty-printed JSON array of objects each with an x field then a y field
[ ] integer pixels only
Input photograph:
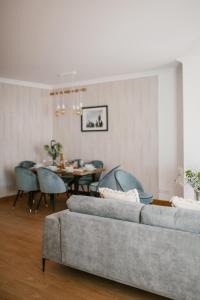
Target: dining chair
[
  {"x": 127, "y": 181},
  {"x": 50, "y": 183},
  {"x": 87, "y": 180},
  {"x": 26, "y": 181},
  {"x": 108, "y": 180},
  {"x": 27, "y": 164}
]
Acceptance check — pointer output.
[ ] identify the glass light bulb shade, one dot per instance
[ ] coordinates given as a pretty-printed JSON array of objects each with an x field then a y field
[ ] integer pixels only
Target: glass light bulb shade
[{"x": 81, "y": 104}]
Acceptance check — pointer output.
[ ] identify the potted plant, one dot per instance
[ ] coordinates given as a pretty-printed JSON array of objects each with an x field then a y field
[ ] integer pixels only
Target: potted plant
[
  {"x": 53, "y": 150},
  {"x": 193, "y": 179}
]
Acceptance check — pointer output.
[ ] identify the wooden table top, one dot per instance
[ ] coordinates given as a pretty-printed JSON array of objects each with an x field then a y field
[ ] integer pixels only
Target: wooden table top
[
  {"x": 76, "y": 172},
  {"x": 79, "y": 172}
]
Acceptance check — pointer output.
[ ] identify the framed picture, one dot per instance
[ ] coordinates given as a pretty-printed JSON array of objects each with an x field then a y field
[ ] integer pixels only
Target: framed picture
[{"x": 94, "y": 118}]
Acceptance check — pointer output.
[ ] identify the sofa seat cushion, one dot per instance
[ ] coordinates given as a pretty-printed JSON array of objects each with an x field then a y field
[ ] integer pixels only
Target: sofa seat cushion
[
  {"x": 171, "y": 217},
  {"x": 107, "y": 208}
]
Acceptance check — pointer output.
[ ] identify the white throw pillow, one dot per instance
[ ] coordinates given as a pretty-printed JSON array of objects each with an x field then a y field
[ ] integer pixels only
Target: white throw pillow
[
  {"x": 131, "y": 195},
  {"x": 185, "y": 203}
]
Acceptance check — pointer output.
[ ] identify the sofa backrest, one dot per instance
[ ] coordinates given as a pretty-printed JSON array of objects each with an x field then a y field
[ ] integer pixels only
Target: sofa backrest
[
  {"x": 154, "y": 215},
  {"x": 171, "y": 217},
  {"x": 107, "y": 208}
]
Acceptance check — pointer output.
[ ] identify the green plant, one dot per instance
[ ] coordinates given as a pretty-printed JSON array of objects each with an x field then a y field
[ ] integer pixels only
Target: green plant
[
  {"x": 193, "y": 178},
  {"x": 53, "y": 149}
]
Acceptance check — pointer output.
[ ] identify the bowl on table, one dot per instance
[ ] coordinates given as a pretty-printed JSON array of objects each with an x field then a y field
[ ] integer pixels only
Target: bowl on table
[{"x": 89, "y": 167}]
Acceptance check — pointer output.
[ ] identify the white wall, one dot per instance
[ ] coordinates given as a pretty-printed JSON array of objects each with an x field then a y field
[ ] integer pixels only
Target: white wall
[
  {"x": 25, "y": 126},
  {"x": 132, "y": 139},
  {"x": 191, "y": 115},
  {"x": 32, "y": 106},
  {"x": 167, "y": 113},
  {"x": 168, "y": 150}
]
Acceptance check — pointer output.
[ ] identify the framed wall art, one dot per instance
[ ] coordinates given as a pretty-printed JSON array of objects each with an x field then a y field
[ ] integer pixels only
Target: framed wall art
[{"x": 94, "y": 118}]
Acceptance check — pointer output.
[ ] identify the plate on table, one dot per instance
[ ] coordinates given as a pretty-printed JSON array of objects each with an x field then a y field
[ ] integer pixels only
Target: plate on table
[
  {"x": 69, "y": 169},
  {"x": 52, "y": 168},
  {"x": 79, "y": 170},
  {"x": 89, "y": 167}
]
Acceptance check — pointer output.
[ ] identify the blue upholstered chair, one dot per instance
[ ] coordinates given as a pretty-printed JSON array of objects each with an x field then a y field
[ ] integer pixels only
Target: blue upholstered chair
[
  {"x": 127, "y": 181},
  {"x": 27, "y": 164},
  {"x": 26, "y": 181},
  {"x": 50, "y": 183},
  {"x": 88, "y": 179},
  {"x": 108, "y": 180}
]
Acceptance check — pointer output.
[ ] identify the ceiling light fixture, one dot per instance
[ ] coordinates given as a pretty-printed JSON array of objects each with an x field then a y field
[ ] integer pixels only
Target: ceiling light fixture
[{"x": 76, "y": 93}]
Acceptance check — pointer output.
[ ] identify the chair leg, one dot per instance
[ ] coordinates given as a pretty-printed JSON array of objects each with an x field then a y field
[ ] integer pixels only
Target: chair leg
[
  {"x": 38, "y": 204},
  {"x": 43, "y": 264},
  {"x": 53, "y": 200},
  {"x": 21, "y": 194},
  {"x": 45, "y": 200},
  {"x": 16, "y": 198},
  {"x": 30, "y": 201}
]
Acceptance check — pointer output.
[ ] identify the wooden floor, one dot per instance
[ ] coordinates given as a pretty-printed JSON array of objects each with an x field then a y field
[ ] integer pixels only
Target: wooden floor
[{"x": 20, "y": 269}]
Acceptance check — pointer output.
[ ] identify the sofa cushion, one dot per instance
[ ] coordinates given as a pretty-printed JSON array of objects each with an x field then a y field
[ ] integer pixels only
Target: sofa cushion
[
  {"x": 131, "y": 195},
  {"x": 107, "y": 208},
  {"x": 171, "y": 217}
]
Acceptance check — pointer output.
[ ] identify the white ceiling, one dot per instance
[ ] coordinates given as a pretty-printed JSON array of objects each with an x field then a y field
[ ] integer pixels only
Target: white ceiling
[{"x": 41, "y": 38}]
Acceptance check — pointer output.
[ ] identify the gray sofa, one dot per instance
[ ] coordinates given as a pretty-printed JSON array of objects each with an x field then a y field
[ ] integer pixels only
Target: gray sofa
[{"x": 150, "y": 247}]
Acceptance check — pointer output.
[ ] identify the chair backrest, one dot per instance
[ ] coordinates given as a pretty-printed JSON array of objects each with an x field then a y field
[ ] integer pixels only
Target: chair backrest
[
  {"x": 26, "y": 180},
  {"x": 98, "y": 164},
  {"x": 108, "y": 180},
  {"x": 27, "y": 164},
  {"x": 50, "y": 182},
  {"x": 127, "y": 181},
  {"x": 77, "y": 161}
]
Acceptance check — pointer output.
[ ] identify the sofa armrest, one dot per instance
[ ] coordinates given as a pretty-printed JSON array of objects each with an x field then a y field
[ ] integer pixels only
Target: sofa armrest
[{"x": 51, "y": 238}]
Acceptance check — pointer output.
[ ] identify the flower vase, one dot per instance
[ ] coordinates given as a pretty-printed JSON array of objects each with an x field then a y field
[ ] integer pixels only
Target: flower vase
[
  {"x": 197, "y": 195},
  {"x": 54, "y": 162}
]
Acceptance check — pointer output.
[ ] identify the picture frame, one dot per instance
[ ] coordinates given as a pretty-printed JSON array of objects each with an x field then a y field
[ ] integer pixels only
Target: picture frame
[{"x": 94, "y": 118}]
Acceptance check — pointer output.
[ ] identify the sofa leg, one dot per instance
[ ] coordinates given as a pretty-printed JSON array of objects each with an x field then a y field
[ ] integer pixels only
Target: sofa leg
[{"x": 43, "y": 264}]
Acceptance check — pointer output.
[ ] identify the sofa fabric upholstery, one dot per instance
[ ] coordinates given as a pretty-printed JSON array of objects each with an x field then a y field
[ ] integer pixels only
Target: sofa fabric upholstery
[
  {"x": 108, "y": 208},
  {"x": 171, "y": 217},
  {"x": 165, "y": 261},
  {"x": 51, "y": 238}
]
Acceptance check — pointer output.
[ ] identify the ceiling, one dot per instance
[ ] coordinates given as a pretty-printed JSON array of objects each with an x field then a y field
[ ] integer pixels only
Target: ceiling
[{"x": 40, "y": 39}]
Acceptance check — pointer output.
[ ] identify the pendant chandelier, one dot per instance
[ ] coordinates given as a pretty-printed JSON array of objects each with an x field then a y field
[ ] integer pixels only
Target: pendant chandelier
[{"x": 63, "y": 94}]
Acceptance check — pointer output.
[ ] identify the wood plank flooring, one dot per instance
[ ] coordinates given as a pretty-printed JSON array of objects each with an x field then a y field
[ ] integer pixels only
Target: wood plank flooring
[{"x": 20, "y": 267}]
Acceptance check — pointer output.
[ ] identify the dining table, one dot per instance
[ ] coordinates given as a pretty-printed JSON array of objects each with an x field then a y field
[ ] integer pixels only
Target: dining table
[{"x": 77, "y": 173}]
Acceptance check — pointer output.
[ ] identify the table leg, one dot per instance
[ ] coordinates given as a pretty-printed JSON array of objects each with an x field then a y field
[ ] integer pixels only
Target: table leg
[
  {"x": 94, "y": 177},
  {"x": 76, "y": 185}
]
